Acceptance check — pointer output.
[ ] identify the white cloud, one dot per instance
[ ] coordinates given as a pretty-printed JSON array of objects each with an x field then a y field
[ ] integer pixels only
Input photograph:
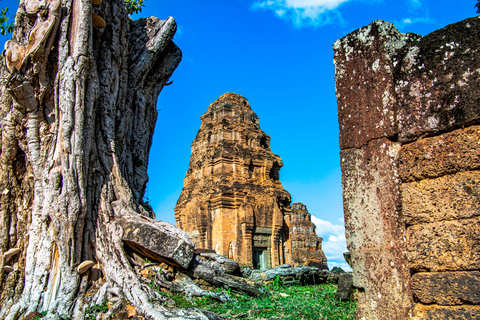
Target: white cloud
[
  {"x": 329, "y": 4},
  {"x": 303, "y": 13},
  {"x": 414, "y": 4},
  {"x": 334, "y": 242},
  {"x": 326, "y": 228},
  {"x": 409, "y": 21}
]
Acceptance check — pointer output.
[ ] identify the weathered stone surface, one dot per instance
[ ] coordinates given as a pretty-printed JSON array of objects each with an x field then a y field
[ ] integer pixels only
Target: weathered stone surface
[
  {"x": 430, "y": 223},
  {"x": 233, "y": 201},
  {"x": 159, "y": 241},
  {"x": 364, "y": 65},
  {"x": 384, "y": 277},
  {"x": 447, "y": 288},
  {"x": 289, "y": 275},
  {"x": 246, "y": 271},
  {"x": 435, "y": 312},
  {"x": 306, "y": 245},
  {"x": 439, "y": 83},
  {"x": 441, "y": 155},
  {"x": 445, "y": 246},
  {"x": 371, "y": 195},
  {"x": 345, "y": 287},
  {"x": 183, "y": 283},
  {"x": 227, "y": 265},
  {"x": 375, "y": 230},
  {"x": 446, "y": 198},
  {"x": 348, "y": 257},
  {"x": 214, "y": 275}
]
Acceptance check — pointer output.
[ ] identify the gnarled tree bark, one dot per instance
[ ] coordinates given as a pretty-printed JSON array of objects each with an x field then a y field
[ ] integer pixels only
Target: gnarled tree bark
[{"x": 78, "y": 108}]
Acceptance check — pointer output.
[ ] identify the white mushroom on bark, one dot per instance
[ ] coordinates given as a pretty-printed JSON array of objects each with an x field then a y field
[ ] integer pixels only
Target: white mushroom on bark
[
  {"x": 10, "y": 253},
  {"x": 84, "y": 266},
  {"x": 8, "y": 269}
]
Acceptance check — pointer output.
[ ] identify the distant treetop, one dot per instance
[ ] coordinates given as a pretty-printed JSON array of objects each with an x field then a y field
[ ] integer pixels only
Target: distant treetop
[
  {"x": 4, "y": 27},
  {"x": 478, "y": 6},
  {"x": 134, "y": 6},
  {"x": 338, "y": 270}
]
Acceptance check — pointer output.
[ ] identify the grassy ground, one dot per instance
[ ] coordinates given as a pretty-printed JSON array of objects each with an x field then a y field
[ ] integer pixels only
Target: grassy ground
[{"x": 307, "y": 302}]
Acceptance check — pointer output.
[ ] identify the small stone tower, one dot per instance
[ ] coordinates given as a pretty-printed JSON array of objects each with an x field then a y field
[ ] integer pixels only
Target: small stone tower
[
  {"x": 232, "y": 201},
  {"x": 306, "y": 245}
]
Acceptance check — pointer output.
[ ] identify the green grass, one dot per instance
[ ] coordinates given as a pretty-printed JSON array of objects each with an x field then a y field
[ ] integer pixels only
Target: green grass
[
  {"x": 90, "y": 313},
  {"x": 303, "y": 302}
]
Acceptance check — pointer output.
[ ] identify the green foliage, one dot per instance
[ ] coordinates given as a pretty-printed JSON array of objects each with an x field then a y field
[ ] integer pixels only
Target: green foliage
[
  {"x": 134, "y": 6},
  {"x": 338, "y": 270},
  {"x": 277, "y": 282},
  {"x": 5, "y": 27},
  {"x": 296, "y": 302},
  {"x": 291, "y": 303},
  {"x": 181, "y": 301},
  {"x": 90, "y": 313},
  {"x": 43, "y": 314}
]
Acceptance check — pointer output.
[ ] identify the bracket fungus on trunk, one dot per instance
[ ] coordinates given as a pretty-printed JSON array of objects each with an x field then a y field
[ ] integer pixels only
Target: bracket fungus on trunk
[
  {"x": 84, "y": 266},
  {"x": 98, "y": 22},
  {"x": 8, "y": 269},
  {"x": 10, "y": 253}
]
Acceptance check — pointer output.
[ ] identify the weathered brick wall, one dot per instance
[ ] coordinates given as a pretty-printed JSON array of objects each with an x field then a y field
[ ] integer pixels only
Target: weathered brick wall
[
  {"x": 233, "y": 201},
  {"x": 409, "y": 116},
  {"x": 306, "y": 245}
]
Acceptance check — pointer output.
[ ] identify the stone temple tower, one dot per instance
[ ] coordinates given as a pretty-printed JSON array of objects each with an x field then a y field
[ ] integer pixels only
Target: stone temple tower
[{"x": 232, "y": 201}]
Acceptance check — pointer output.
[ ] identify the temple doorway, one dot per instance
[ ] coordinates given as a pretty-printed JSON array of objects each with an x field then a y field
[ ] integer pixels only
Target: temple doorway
[{"x": 260, "y": 258}]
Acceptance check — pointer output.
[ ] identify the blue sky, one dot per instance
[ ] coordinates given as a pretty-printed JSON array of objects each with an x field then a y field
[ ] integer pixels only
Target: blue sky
[{"x": 278, "y": 54}]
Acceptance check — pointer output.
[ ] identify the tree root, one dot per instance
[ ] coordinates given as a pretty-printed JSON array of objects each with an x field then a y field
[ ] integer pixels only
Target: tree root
[{"x": 185, "y": 285}]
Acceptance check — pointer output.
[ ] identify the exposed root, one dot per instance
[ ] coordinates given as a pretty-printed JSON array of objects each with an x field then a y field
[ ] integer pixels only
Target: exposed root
[
  {"x": 185, "y": 285},
  {"x": 118, "y": 304}
]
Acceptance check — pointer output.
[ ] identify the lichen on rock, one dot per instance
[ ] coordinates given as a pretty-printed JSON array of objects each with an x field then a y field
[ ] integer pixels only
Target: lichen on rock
[{"x": 408, "y": 110}]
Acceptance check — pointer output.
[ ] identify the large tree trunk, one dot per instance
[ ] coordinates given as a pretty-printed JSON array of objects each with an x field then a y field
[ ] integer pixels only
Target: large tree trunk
[{"x": 78, "y": 105}]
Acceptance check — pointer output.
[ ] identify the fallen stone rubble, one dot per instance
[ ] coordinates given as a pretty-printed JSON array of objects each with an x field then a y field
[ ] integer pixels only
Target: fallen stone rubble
[
  {"x": 179, "y": 268},
  {"x": 289, "y": 275}
]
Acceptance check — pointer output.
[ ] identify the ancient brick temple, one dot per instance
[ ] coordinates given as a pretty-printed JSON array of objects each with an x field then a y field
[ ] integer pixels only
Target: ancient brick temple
[
  {"x": 306, "y": 245},
  {"x": 233, "y": 201}
]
